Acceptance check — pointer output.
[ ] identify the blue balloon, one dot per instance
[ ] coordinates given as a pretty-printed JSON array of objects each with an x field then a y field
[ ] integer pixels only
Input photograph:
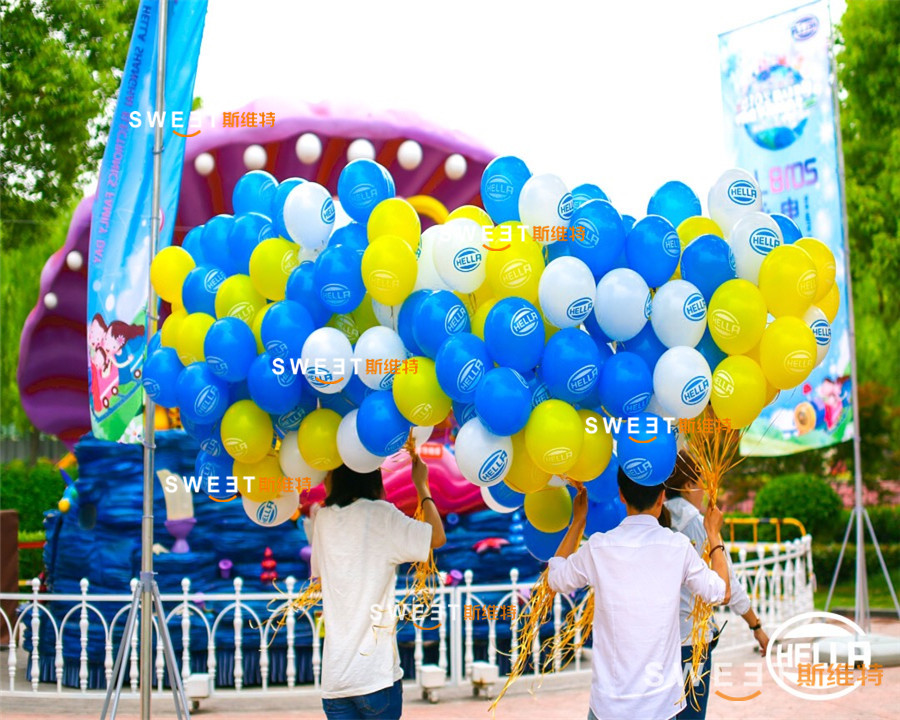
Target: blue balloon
[
  {"x": 277, "y": 208},
  {"x": 538, "y": 388},
  {"x": 246, "y": 233},
  {"x": 652, "y": 248},
  {"x": 337, "y": 278},
  {"x": 254, "y": 192},
  {"x": 213, "y": 473},
  {"x": 789, "y": 230},
  {"x": 352, "y": 235},
  {"x": 593, "y": 328},
  {"x": 603, "y": 237},
  {"x": 542, "y": 546},
  {"x": 155, "y": 343},
  {"x": 605, "y": 487},
  {"x": 503, "y": 401},
  {"x": 711, "y": 352},
  {"x": 585, "y": 192},
  {"x": 603, "y": 517},
  {"x": 627, "y": 223},
  {"x": 382, "y": 429},
  {"x": 570, "y": 365},
  {"x": 440, "y": 316},
  {"x": 646, "y": 346},
  {"x": 363, "y": 184},
  {"x": 238, "y": 391},
  {"x": 195, "y": 430},
  {"x": 556, "y": 250},
  {"x": 625, "y": 384},
  {"x": 406, "y": 320},
  {"x": 501, "y": 183},
  {"x": 192, "y": 243},
  {"x": 161, "y": 372},
  {"x": 274, "y": 393},
  {"x": 707, "y": 263},
  {"x": 356, "y": 390},
  {"x": 674, "y": 201},
  {"x": 514, "y": 334},
  {"x": 338, "y": 402},
  {"x": 210, "y": 439},
  {"x": 202, "y": 397},
  {"x": 646, "y": 449},
  {"x": 214, "y": 244},
  {"x": 461, "y": 364},
  {"x": 230, "y": 348},
  {"x": 284, "y": 329},
  {"x": 290, "y": 420},
  {"x": 463, "y": 412},
  {"x": 504, "y": 495},
  {"x": 199, "y": 290},
  {"x": 301, "y": 289}
]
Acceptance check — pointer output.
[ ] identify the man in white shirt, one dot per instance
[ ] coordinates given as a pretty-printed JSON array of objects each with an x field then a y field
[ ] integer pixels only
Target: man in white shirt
[{"x": 636, "y": 571}]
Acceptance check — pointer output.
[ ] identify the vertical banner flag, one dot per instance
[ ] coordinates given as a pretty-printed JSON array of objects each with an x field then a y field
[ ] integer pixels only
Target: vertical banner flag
[
  {"x": 120, "y": 222},
  {"x": 780, "y": 124}
]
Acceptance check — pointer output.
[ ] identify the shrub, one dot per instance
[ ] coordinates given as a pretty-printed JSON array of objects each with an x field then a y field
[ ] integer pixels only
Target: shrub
[
  {"x": 825, "y": 559},
  {"x": 31, "y": 490},
  {"x": 808, "y": 498}
]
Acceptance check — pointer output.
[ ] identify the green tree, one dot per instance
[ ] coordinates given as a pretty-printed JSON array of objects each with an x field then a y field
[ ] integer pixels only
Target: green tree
[{"x": 60, "y": 67}]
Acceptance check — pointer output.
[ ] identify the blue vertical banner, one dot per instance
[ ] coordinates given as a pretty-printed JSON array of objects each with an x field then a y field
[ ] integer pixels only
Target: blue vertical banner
[
  {"x": 119, "y": 263},
  {"x": 781, "y": 125}
]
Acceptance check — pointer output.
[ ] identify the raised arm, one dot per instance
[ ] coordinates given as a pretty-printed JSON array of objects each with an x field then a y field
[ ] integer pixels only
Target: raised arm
[
  {"x": 432, "y": 516},
  {"x": 712, "y": 523}
]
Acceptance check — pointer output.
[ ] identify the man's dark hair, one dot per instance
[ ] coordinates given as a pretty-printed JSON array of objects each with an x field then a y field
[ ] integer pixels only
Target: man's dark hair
[
  {"x": 348, "y": 485},
  {"x": 640, "y": 497}
]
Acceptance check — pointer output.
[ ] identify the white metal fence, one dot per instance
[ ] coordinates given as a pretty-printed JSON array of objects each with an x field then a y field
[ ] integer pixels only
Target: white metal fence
[{"x": 469, "y": 620}]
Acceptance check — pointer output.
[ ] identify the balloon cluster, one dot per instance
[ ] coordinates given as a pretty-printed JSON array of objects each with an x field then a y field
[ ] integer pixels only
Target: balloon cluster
[{"x": 300, "y": 340}]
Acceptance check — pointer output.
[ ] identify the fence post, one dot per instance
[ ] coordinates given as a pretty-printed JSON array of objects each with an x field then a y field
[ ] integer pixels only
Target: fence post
[
  {"x": 289, "y": 621},
  {"x": 467, "y": 619},
  {"x": 185, "y": 630},
  {"x": 238, "y": 636}
]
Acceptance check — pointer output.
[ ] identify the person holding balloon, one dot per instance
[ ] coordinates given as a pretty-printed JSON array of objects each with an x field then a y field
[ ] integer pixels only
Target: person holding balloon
[
  {"x": 358, "y": 540},
  {"x": 684, "y": 502},
  {"x": 636, "y": 571}
]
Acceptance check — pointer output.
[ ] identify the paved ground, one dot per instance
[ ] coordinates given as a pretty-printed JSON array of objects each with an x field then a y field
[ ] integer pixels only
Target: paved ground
[{"x": 564, "y": 700}]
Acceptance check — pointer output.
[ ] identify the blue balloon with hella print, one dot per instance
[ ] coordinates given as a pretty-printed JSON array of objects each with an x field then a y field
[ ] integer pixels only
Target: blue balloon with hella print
[
  {"x": 407, "y": 317},
  {"x": 501, "y": 184},
  {"x": 598, "y": 236},
  {"x": 337, "y": 278},
  {"x": 503, "y": 401},
  {"x": 626, "y": 384},
  {"x": 674, "y": 201},
  {"x": 646, "y": 448},
  {"x": 301, "y": 288},
  {"x": 214, "y": 244},
  {"x": 273, "y": 391},
  {"x": 652, "y": 249},
  {"x": 285, "y": 327},
  {"x": 202, "y": 396},
  {"x": 570, "y": 365},
  {"x": 161, "y": 372},
  {"x": 245, "y": 234},
  {"x": 362, "y": 184},
  {"x": 198, "y": 293},
  {"x": 461, "y": 365},
  {"x": 440, "y": 316},
  {"x": 254, "y": 192},
  {"x": 381, "y": 427},
  {"x": 278, "y": 200},
  {"x": 707, "y": 263},
  {"x": 514, "y": 334}
]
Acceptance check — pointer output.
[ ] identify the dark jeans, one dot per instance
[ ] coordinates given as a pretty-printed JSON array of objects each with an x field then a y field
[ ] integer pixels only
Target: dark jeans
[
  {"x": 700, "y": 696},
  {"x": 386, "y": 704}
]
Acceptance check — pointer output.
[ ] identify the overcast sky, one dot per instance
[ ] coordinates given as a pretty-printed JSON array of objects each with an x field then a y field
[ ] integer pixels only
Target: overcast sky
[{"x": 624, "y": 94}]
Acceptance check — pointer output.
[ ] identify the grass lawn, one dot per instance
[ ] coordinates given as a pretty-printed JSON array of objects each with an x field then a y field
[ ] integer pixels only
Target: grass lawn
[{"x": 844, "y": 594}]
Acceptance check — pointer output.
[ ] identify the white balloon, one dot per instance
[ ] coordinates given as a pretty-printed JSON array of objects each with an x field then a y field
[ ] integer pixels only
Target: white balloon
[
  {"x": 455, "y": 166},
  {"x": 493, "y": 503},
  {"x": 734, "y": 195},
  {"x": 270, "y": 513},
  {"x": 204, "y": 163},
  {"x": 545, "y": 201},
  {"x": 556, "y": 481},
  {"x": 386, "y": 315},
  {"x": 422, "y": 434},
  {"x": 459, "y": 255},
  {"x": 753, "y": 237},
  {"x": 821, "y": 328},
  {"x": 309, "y": 215},
  {"x": 678, "y": 314},
  {"x": 378, "y": 344},
  {"x": 428, "y": 277},
  {"x": 351, "y": 449},
  {"x": 681, "y": 382},
  {"x": 566, "y": 292},
  {"x": 308, "y": 148},
  {"x": 360, "y": 149},
  {"x": 255, "y": 157},
  {"x": 292, "y": 463},
  {"x": 622, "y": 304},
  {"x": 409, "y": 155},
  {"x": 654, "y": 408},
  {"x": 328, "y": 357},
  {"x": 482, "y": 457}
]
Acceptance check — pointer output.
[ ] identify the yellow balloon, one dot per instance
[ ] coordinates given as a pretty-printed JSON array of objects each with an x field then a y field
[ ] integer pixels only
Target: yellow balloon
[
  {"x": 550, "y": 509},
  {"x": 364, "y": 315},
  {"x": 480, "y": 316},
  {"x": 523, "y": 475},
  {"x": 825, "y": 266},
  {"x": 259, "y": 481},
  {"x": 483, "y": 294},
  {"x": 738, "y": 390},
  {"x": 246, "y": 432},
  {"x": 736, "y": 316},
  {"x": 236, "y": 297},
  {"x": 168, "y": 270},
  {"x": 472, "y": 212},
  {"x": 771, "y": 390},
  {"x": 596, "y": 450},
  {"x": 830, "y": 303},
  {"x": 317, "y": 439},
  {"x": 389, "y": 270},
  {"x": 396, "y": 217},
  {"x": 514, "y": 262},
  {"x": 271, "y": 264},
  {"x": 549, "y": 330},
  {"x": 787, "y": 352},
  {"x": 177, "y": 304},
  {"x": 347, "y": 325},
  {"x": 418, "y": 396},
  {"x": 554, "y": 436},
  {"x": 467, "y": 299},
  {"x": 256, "y": 327},
  {"x": 191, "y": 334},
  {"x": 168, "y": 335},
  {"x": 787, "y": 280}
]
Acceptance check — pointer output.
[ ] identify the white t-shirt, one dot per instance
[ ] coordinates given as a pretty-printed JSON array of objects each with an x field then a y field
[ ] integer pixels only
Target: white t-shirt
[{"x": 355, "y": 553}]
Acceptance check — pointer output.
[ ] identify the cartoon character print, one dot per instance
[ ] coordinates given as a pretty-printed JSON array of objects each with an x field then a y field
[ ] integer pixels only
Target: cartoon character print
[{"x": 105, "y": 344}]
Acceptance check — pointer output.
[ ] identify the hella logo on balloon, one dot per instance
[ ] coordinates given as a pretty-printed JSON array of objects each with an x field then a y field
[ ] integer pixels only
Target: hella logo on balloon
[
  {"x": 695, "y": 307},
  {"x": 540, "y": 394},
  {"x": 289, "y": 261},
  {"x": 206, "y": 400},
  {"x": 672, "y": 245},
  {"x": 387, "y": 382},
  {"x": 286, "y": 379},
  {"x": 742, "y": 192},
  {"x": 364, "y": 194},
  {"x": 638, "y": 469},
  {"x": 764, "y": 240},
  {"x": 805, "y": 28},
  {"x": 467, "y": 259},
  {"x": 152, "y": 387},
  {"x": 327, "y": 213},
  {"x": 723, "y": 384},
  {"x": 797, "y": 361},
  {"x": 455, "y": 320},
  {"x": 335, "y": 294},
  {"x": 524, "y": 322},
  {"x": 267, "y": 512},
  {"x": 499, "y": 188},
  {"x": 212, "y": 445},
  {"x": 319, "y": 378},
  {"x": 579, "y": 309},
  {"x": 807, "y": 284},
  {"x": 648, "y": 305},
  {"x": 213, "y": 279},
  {"x": 582, "y": 379},
  {"x": 470, "y": 374},
  {"x": 494, "y": 466},
  {"x": 236, "y": 447},
  {"x": 421, "y": 412},
  {"x": 695, "y": 391},
  {"x": 515, "y": 273},
  {"x": 726, "y": 323},
  {"x": 591, "y": 235},
  {"x": 277, "y": 348},
  {"x": 566, "y": 206},
  {"x": 397, "y": 443},
  {"x": 637, "y": 403},
  {"x": 558, "y": 456},
  {"x": 292, "y": 418},
  {"x": 216, "y": 364},
  {"x": 466, "y": 413},
  {"x": 822, "y": 331},
  {"x": 384, "y": 280},
  {"x": 242, "y": 311}
]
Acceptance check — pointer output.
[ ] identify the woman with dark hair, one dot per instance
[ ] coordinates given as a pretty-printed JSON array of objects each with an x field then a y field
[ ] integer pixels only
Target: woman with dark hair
[
  {"x": 684, "y": 503},
  {"x": 358, "y": 540}
]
